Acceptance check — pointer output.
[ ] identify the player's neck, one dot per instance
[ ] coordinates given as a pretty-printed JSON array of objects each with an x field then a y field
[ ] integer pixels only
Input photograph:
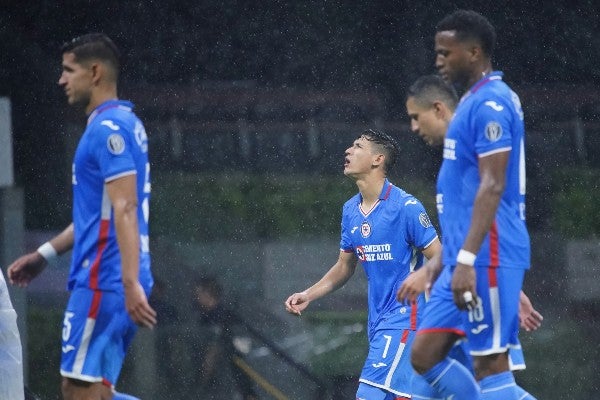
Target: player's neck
[
  {"x": 479, "y": 73},
  {"x": 100, "y": 96},
  {"x": 370, "y": 190}
]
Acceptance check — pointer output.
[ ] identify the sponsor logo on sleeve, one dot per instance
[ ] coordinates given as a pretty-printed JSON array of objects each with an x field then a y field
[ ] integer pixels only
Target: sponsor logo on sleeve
[
  {"x": 493, "y": 131},
  {"x": 115, "y": 144},
  {"x": 424, "y": 220}
]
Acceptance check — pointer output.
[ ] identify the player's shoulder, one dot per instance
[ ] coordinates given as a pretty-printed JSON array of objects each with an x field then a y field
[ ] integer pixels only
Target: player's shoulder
[
  {"x": 402, "y": 198},
  {"x": 498, "y": 100},
  {"x": 123, "y": 117},
  {"x": 496, "y": 90}
]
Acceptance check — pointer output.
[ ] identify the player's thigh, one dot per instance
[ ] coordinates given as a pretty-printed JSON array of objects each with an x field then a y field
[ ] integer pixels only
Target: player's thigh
[
  {"x": 388, "y": 362},
  {"x": 73, "y": 389},
  {"x": 440, "y": 313},
  {"x": 440, "y": 326},
  {"x": 96, "y": 333},
  {"x": 492, "y": 326}
]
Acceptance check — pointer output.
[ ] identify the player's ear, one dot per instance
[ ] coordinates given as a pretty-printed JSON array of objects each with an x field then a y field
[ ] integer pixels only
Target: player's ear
[
  {"x": 379, "y": 159},
  {"x": 96, "y": 70},
  {"x": 476, "y": 52},
  {"x": 439, "y": 109}
]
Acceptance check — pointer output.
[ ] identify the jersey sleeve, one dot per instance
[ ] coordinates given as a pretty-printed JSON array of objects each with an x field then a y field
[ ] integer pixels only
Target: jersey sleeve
[
  {"x": 419, "y": 229},
  {"x": 345, "y": 241},
  {"x": 112, "y": 150},
  {"x": 492, "y": 127}
]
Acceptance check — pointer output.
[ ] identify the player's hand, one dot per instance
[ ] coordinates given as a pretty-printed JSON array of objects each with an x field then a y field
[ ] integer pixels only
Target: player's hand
[
  {"x": 414, "y": 284},
  {"x": 296, "y": 303},
  {"x": 25, "y": 268},
  {"x": 463, "y": 287},
  {"x": 529, "y": 318},
  {"x": 137, "y": 306}
]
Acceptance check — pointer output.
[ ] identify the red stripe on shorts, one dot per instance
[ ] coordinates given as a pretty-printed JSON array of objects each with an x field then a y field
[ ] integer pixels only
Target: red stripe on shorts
[
  {"x": 404, "y": 336},
  {"x": 95, "y": 306}
]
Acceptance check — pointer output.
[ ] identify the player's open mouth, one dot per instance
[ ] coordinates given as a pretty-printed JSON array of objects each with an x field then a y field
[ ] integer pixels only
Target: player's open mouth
[{"x": 346, "y": 162}]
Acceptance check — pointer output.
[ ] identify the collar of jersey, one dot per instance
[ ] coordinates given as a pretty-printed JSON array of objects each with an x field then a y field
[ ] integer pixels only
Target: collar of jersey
[
  {"x": 385, "y": 193},
  {"x": 492, "y": 76},
  {"x": 127, "y": 105}
]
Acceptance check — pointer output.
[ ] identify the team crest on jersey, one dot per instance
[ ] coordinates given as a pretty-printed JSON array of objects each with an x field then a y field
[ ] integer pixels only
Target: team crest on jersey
[
  {"x": 424, "y": 220},
  {"x": 115, "y": 144},
  {"x": 365, "y": 229},
  {"x": 493, "y": 131}
]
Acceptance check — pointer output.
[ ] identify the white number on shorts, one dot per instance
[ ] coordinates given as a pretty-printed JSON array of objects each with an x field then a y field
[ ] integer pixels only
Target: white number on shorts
[
  {"x": 388, "y": 339},
  {"x": 476, "y": 313},
  {"x": 67, "y": 325}
]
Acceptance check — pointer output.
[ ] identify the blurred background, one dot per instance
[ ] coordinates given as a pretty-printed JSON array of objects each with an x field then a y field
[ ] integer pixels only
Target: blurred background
[{"x": 249, "y": 107}]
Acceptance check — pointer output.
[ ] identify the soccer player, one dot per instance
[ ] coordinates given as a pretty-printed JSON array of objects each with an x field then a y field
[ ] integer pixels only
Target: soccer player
[
  {"x": 110, "y": 277},
  {"x": 430, "y": 104},
  {"x": 480, "y": 201},
  {"x": 389, "y": 231}
]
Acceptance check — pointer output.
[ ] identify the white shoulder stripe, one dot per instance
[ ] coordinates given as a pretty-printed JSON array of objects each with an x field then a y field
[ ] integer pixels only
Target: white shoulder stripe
[
  {"x": 429, "y": 244},
  {"x": 120, "y": 175},
  {"x": 500, "y": 150}
]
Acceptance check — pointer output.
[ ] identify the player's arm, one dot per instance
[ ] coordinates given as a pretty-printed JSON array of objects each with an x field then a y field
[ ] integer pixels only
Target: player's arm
[
  {"x": 421, "y": 280},
  {"x": 336, "y": 277},
  {"x": 433, "y": 252},
  {"x": 27, "y": 267},
  {"x": 492, "y": 174},
  {"x": 529, "y": 317},
  {"x": 123, "y": 196}
]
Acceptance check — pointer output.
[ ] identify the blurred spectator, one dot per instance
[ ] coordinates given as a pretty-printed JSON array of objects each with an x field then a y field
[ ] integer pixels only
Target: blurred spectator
[
  {"x": 166, "y": 313},
  {"x": 217, "y": 373}
]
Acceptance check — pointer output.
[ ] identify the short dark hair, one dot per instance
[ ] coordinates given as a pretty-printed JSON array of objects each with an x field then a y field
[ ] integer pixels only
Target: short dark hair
[
  {"x": 94, "y": 46},
  {"x": 431, "y": 88},
  {"x": 210, "y": 285},
  {"x": 470, "y": 25},
  {"x": 387, "y": 143}
]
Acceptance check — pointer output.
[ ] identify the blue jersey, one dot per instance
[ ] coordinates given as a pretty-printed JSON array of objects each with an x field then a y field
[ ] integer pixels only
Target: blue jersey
[
  {"x": 489, "y": 119},
  {"x": 387, "y": 240},
  {"x": 113, "y": 145}
]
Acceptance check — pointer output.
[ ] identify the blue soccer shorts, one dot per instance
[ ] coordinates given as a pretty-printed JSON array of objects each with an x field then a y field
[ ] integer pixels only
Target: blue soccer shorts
[
  {"x": 388, "y": 366},
  {"x": 461, "y": 353},
  {"x": 96, "y": 334},
  {"x": 491, "y": 327}
]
